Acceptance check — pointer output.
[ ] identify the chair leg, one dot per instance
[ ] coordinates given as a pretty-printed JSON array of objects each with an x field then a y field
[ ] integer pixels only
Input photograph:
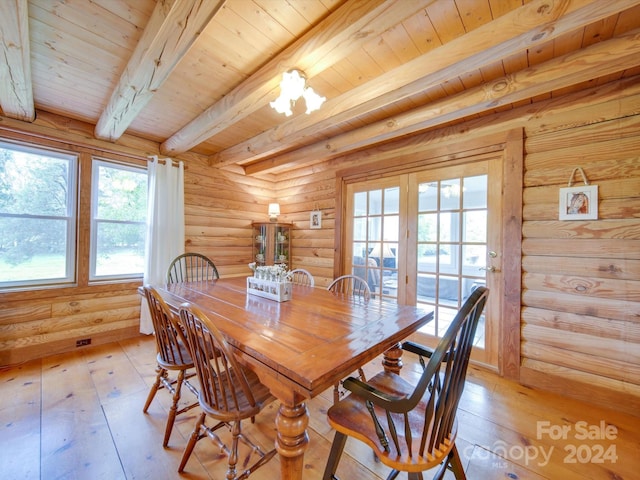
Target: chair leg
[
  {"x": 453, "y": 463},
  {"x": 456, "y": 464},
  {"x": 195, "y": 436},
  {"x": 174, "y": 408},
  {"x": 336, "y": 392},
  {"x": 233, "y": 451},
  {"x": 154, "y": 388},
  {"x": 362, "y": 375},
  {"x": 337, "y": 447}
]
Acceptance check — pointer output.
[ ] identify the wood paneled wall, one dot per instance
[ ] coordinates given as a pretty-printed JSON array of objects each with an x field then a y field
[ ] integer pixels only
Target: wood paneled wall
[
  {"x": 581, "y": 279},
  {"x": 219, "y": 208}
]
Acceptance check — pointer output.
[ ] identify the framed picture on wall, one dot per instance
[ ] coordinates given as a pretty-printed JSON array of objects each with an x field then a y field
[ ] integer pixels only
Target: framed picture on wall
[
  {"x": 315, "y": 219},
  {"x": 579, "y": 203}
]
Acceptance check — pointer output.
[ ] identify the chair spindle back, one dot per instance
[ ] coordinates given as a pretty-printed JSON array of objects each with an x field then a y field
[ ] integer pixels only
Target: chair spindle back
[
  {"x": 169, "y": 337},
  {"x": 440, "y": 386},
  {"x": 224, "y": 389},
  {"x": 351, "y": 286},
  {"x": 190, "y": 267}
]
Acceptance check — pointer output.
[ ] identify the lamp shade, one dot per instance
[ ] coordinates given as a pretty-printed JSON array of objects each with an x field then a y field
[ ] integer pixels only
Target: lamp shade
[
  {"x": 274, "y": 211},
  {"x": 384, "y": 252}
]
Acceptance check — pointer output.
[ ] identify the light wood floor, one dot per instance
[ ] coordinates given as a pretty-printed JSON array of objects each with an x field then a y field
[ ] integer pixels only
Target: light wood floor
[{"x": 79, "y": 416}]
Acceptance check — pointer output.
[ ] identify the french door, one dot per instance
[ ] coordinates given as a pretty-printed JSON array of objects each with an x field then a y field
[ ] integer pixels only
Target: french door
[{"x": 429, "y": 238}]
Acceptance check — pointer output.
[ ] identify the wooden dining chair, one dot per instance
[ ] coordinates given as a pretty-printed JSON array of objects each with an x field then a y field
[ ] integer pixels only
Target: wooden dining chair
[
  {"x": 229, "y": 392},
  {"x": 190, "y": 267},
  {"x": 172, "y": 356},
  {"x": 300, "y": 276},
  {"x": 354, "y": 288},
  {"x": 412, "y": 428}
]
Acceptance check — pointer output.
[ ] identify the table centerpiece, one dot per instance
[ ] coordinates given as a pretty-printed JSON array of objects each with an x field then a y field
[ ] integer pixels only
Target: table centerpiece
[{"x": 270, "y": 281}]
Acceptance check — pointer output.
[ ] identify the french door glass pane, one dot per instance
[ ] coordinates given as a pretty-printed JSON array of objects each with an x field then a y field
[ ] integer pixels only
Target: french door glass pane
[
  {"x": 451, "y": 250},
  {"x": 360, "y": 204},
  {"x": 376, "y": 221}
]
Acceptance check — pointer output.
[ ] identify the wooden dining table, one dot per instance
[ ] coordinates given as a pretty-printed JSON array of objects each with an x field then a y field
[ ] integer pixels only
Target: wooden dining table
[{"x": 302, "y": 346}]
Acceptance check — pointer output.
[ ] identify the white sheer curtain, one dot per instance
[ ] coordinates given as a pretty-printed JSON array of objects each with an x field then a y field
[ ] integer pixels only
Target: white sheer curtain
[{"x": 165, "y": 226}]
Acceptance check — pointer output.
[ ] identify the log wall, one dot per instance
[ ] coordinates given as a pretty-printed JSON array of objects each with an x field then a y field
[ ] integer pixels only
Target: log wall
[
  {"x": 581, "y": 279},
  {"x": 219, "y": 208}
]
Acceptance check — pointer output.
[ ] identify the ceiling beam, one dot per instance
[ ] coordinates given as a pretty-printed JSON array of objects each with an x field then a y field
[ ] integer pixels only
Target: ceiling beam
[
  {"x": 173, "y": 27},
  {"x": 336, "y": 37},
  {"x": 604, "y": 58},
  {"x": 532, "y": 24},
  {"x": 16, "y": 91}
]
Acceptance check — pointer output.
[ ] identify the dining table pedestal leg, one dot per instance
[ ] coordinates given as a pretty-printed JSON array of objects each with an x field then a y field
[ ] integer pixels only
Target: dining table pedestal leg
[
  {"x": 292, "y": 439},
  {"x": 392, "y": 361}
]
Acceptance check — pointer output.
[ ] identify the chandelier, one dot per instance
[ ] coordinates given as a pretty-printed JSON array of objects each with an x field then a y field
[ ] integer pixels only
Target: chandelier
[{"x": 292, "y": 87}]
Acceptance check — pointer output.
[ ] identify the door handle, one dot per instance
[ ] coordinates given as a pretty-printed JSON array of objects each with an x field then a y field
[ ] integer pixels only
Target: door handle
[{"x": 488, "y": 269}]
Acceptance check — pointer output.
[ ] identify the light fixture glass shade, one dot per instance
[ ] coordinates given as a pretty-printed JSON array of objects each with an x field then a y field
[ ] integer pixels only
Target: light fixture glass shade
[
  {"x": 293, "y": 86},
  {"x": 312, "y": 99},
  {"x": 282, "y": 104},
  {"x": 274, "y": 211}
]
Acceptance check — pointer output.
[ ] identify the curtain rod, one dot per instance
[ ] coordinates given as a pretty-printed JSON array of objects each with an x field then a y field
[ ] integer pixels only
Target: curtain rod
[{"x": 163, "y": 161}]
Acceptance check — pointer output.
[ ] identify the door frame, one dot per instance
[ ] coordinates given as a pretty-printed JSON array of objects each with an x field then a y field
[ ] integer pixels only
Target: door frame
[{"x": 451, "y": 151}]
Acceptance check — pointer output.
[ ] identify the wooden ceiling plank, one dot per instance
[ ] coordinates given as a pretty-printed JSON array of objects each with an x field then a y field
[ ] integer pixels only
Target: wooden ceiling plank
[
  {"x": 88, "y": 23},
  {"x": 285, "y": 14},
  {"x": 473, "y": 13},
  {"x": 253, "y": 46},
  {"x": 627, "y": 20},
  {"x": 500, "y": 7},
  {"x": 16, "y": 90},
  {"x": 336, "y": 37},
  {"x": 600, "y": 59},
  {"x": 398, "y": 36},
  {"x": 446, "y": 21},
  {"x": 257, "y": 15},
  {"x": 532, "y": 24},
  {"x": 172, "y": 29}
]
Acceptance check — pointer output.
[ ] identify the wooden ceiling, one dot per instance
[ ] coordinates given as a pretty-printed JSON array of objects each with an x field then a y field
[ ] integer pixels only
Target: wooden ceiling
[{"x": 198, "y": 75}]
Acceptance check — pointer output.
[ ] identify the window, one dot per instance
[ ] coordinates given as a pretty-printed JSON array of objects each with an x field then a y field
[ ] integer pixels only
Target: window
[
  {"x": 118, "y": 220},
  {"x": 37, "y": 216}
]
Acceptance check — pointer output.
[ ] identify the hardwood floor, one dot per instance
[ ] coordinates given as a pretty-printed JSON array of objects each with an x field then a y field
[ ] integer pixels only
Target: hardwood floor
[{"x": 79, "y": 416}]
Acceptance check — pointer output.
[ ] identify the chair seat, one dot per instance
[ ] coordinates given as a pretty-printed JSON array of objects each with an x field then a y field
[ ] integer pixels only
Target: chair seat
[
  {"x": 261, "y": 396},
  {"x": 351, "y": 417},
  {"x": 182, "y": 362}
]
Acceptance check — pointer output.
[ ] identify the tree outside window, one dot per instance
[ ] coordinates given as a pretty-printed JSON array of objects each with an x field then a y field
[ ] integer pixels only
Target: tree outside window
[
  {"x": 37, "y": 216},
  {"x": 119, "y": 206}
]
